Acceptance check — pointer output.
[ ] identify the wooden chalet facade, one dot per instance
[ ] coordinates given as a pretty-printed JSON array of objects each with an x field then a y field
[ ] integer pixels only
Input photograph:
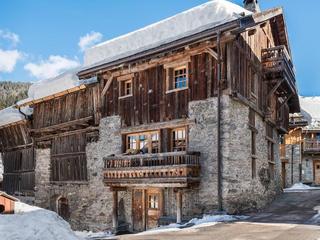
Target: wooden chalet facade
[{"x": 172, "y": 131}]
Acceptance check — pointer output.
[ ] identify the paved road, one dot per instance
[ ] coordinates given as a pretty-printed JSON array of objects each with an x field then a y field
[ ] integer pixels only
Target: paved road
[{"x": 290, "y": 217}]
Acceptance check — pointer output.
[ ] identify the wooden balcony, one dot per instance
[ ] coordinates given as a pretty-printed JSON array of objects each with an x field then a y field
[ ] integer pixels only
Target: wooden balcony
[
  {"x": 277, "y": 65},
  {"x": 311, "y": 146},
  {"x": 173, "y": 169}
]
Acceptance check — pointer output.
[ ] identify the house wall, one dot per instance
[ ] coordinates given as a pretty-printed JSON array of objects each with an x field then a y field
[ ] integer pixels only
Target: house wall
[{"x": 90, "y": 202}]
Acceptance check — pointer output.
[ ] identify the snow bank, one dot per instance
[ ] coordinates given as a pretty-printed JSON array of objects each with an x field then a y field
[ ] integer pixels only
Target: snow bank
[
  {"x": 34, "y": 223},
  {"x": 206, "y": 220},
  {"x": 91, "y": 236},
  {"x": 12, "y": 115},
  {"x": 195, "y": 20},
  {"x": 300, "y": 187}
]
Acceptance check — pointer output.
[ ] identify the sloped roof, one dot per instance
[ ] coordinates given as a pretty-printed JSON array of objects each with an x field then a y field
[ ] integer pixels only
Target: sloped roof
[
  {"x": 195, "y": 20},
  {"x": 12, "y": 115},
  {"x": 9, "y": 196}
]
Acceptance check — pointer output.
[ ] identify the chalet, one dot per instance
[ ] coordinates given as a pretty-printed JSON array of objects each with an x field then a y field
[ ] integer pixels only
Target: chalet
[
  {"x": 300, "y": 148},
  {"x": 169, "y": 122}
]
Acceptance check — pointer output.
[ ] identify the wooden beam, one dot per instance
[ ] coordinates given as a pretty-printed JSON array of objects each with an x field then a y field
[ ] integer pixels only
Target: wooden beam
[
  {"x": 160, "y": 125},
  {"x": 115, "y": 210},
  {"x": 212, "y": 53},
  {"x": 80, "y": 121},
  {"x": 106, "y": 87},
  {"x": 179, "y": 206}
]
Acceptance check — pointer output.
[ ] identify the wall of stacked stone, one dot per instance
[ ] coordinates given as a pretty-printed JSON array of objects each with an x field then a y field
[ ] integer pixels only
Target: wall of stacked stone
[
  {"x": 1, "y": 168},
  {"x": 240, "y": 191},
  {"x": 90, "y": 203},
  {"x": 293, "y": 155},
  {"x": 307, "y": 168}
]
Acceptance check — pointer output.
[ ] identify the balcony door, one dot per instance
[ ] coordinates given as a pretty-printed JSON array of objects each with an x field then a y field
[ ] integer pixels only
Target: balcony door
[{"x": 317, "y": 172}]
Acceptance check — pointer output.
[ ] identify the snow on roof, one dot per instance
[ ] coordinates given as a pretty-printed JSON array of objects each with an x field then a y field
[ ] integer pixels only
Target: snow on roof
[
  {"x": 51, "y": 86},
  {"x": 195, "y": 20},
  {"x": 11, "y": 115}
]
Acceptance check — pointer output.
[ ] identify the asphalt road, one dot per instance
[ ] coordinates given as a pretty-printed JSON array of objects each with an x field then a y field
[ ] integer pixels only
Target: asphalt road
[{"x": 290, "y": 217}]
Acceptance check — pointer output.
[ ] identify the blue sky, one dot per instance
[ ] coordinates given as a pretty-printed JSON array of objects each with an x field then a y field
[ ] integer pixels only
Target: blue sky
[{"x": 40, "y": 38}]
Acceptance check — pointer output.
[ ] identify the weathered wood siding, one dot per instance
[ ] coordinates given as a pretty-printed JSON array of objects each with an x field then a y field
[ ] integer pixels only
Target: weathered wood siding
[
  {"x": 66, "y": 108},
  {"x": 68, "y": 158},
  {"x": 13, "y": 136},
  {"x": 19, "y": 166},
  {"x": 150, "y": 102}
]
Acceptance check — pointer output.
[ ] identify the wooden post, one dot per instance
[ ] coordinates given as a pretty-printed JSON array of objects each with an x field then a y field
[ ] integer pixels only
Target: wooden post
[
  {"x": 179, "y": 206},
  {"x": 115, "y": 211}
]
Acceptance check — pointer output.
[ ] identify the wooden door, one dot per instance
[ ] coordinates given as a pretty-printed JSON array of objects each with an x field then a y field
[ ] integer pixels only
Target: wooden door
[
  {"x": 283, "y": 174},
  {"x": 138, "y": 210},
  {"x": 317, "y": 172},
  {"x": 154, "y": 207}
]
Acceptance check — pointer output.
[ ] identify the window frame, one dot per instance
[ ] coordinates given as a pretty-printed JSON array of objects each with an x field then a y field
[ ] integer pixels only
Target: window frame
[
  {"x": 156, "y": 199},
  {"x": 148, "y": 138},
  {"x": 170, "y": 80},
  {"x": 172, "y": 140},
  {"x": 122, "y": 86}
]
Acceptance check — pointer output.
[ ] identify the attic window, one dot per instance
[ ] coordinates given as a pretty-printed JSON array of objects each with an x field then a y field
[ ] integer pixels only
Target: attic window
[{"x": 177, "y": 77}]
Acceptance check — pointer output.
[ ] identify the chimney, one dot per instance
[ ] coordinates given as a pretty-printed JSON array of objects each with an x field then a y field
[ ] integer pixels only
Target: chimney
[{"x": 251, "y": 5}]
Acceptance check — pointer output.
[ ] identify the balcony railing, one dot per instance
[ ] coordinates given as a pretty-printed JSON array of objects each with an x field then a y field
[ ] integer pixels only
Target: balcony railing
[
  {"x": 277, "y": 64},
  {"x": 165, "y": 169},
  {"x": 311, "y": 146}
]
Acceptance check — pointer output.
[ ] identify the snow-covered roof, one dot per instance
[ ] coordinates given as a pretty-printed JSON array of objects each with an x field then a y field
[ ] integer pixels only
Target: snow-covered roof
[
  {"x": 195, "y": 20},
  {"x": 48, "y": 87},
  {"x": 12, "y": 115},
  {"x": 311, "y": 105}
]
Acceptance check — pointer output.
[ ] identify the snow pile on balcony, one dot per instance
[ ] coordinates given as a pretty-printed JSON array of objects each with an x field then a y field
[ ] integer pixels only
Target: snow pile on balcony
[
  {"x": 11, "y": 115},
  {"x": 300, "y": 187},
  {"x": 206, "y": 220},
  {"x": 195, "y": 20},
  {"x": 34, "y": 223}
]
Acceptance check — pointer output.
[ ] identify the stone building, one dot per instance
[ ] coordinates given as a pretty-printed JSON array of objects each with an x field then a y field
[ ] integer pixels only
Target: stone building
[{"x": 175, "y": 120}]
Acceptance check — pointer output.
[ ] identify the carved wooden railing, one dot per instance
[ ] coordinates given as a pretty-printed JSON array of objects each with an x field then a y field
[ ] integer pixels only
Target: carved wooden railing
[
  {"x": 311, "y": 145},
  {"x": 276, "y": 60},
  {"x": 163, "y": 168}
]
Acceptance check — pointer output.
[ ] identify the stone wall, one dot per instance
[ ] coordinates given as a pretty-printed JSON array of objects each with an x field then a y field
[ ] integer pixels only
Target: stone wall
[
  {"x": 90, "y": 203},
  {"x": 240, "y": 191},
  {"x": 292, "y": 167},
  {"x": 307, "y": 169},
  {"x": 1, "y": 168}
]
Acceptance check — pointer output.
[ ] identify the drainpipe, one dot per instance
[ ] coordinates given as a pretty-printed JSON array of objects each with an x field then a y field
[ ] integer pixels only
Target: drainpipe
[
  {"x": 292, "y": 149},
  {"x": 220, "y": 205}
]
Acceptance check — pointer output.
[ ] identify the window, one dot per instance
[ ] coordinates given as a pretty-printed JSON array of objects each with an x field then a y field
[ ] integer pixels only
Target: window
[
  {"x": 153, "y": 201},
  {"x": 179, "y": 139},
  {"x": 128, "y": 87},
  {"x": 176, "y": 77},
  {"x": 146, "y": 142},
  {"x": 180, "y": 77},
  {"x": 125, "y": 86}
]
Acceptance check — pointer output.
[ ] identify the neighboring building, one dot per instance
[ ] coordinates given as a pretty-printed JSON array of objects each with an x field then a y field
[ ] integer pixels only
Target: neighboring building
[
  {"x": 7, "y": 203},
  {"x": 300, "y": 151},
  {"x": 183, "y": 119}
]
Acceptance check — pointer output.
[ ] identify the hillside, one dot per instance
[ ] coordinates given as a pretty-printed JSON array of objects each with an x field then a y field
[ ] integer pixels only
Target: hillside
[{"x": 11, "y": 92}]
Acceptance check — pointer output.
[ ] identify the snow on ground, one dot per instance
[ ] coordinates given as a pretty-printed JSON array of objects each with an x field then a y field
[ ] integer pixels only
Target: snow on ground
[
  {"x": 34, "y": 223},
  {"x": 192, "y": 21},
  {"x": 206, "y": 220},
  {"x": 300, "y": 187},
  {"x": 91, "y": 236},
  {"x": 12, "y": 115}
]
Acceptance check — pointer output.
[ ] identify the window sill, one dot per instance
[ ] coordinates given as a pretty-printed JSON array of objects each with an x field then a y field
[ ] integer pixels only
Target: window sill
[
  {"x": 176, "y": 90},
  {"x": 126, "y": 96}
]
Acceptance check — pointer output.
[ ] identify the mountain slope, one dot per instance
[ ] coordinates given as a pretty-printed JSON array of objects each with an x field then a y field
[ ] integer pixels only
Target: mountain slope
[{"x": 11, "y": 92}]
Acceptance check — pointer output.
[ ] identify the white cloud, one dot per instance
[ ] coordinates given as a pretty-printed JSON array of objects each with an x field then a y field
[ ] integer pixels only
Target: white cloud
[
  {"x": 8, "y": 60},
  {"x": 10, "y": 36},
  {"x": 51, "y": 67},
  {"x": 89, "y": 40}
]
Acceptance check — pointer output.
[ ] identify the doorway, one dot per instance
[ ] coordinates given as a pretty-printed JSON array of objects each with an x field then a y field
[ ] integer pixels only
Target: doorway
[
  {"x": 147, "y": 208},
  {"x": 316, "y": 170}
]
